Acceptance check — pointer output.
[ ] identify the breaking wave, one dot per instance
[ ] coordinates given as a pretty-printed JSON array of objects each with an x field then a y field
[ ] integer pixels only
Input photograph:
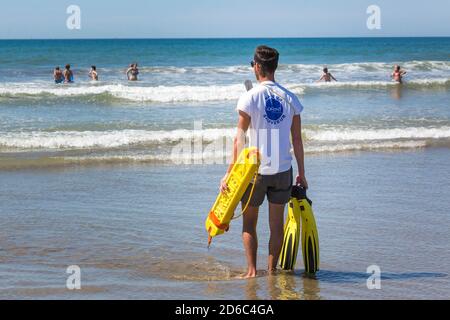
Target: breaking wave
[
  {"x": 162, "y": 94},
  {"x": 22, "y": 150},
  {"x": 173, "y": 94},
  {"x": 315, "y": 138}
]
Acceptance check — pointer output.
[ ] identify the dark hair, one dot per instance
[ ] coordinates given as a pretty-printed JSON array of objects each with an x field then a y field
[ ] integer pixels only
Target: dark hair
[
  {"x": 398, "y": 68},
  {"x": 94, "y": 68},
  {"x": 67, "y": 66},
  {"x": 268, "y": 59},
  {"x": 325, "y": 70},
  {"x": 57, "y": 68}
]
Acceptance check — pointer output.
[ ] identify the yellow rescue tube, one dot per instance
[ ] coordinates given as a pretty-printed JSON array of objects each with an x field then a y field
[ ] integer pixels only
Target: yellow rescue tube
[{"x": 242, "y": 173}]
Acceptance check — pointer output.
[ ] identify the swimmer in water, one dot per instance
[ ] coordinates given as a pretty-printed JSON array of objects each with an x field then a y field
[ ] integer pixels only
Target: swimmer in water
[
  {"x": 93, "y": 73},
  {"x": 132, "y": 72},
  {"x": 58, "y": 75},
  {"x": 398, "y": 74},
  {"x": 326, "y": 76},
  {"x": 68, "y": 74}
]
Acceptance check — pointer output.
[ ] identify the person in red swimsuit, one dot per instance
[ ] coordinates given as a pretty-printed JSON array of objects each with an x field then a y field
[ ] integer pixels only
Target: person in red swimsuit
[{"x": 398, "y": 74}]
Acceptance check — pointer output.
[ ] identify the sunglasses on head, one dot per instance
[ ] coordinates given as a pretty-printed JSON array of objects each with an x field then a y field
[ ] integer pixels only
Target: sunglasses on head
[{"x": 253, "y": 63}]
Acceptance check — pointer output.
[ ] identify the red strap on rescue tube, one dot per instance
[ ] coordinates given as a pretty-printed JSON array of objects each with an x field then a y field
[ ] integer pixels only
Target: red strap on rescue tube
[{"x": 216, "y": 222}]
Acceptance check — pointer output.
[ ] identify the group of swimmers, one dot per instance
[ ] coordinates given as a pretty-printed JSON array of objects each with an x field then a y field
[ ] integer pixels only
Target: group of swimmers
[
  {"x": 132, "y": 73},
  {"x": 397, "y": 75},
  {"x": 66, "y": 76}
]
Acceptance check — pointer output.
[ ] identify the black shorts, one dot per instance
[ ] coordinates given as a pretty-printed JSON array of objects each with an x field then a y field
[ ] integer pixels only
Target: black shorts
[{"x": 277, "y": 187}]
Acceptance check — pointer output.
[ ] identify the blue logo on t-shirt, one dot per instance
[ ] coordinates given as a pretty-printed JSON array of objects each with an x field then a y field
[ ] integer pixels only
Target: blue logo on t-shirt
[{"x": 274, "y": 110}]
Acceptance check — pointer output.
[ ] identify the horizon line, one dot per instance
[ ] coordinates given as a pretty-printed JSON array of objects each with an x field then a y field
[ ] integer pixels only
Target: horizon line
[{"x": 220, "y": 38}]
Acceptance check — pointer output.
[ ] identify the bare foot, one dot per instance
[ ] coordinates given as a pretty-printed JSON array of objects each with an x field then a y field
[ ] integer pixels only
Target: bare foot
[
  {"x": 247, "y": 275},
  {"x": 272, "y": 272}
]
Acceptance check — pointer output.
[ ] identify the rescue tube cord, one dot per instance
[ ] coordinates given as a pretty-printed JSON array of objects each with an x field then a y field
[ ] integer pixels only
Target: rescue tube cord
[{"x": 249, "y": 198}]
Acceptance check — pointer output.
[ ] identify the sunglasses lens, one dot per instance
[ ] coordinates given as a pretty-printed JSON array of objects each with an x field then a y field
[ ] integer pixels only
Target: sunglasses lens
[{"x": 252, "y": 63}]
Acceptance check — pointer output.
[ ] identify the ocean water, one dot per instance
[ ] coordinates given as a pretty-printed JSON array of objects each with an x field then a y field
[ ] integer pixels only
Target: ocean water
[{"x": 118, "y": 177}]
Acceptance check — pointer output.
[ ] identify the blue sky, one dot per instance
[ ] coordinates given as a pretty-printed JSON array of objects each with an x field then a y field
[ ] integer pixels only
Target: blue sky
[{"x": 222, "y": 18}]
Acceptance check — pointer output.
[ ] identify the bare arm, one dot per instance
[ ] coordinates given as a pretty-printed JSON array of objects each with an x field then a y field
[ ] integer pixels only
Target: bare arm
[
  {"x": 332, "y": 77},
  {"x": 297, "y": 141},
  {"x": 238, "y": 144}
]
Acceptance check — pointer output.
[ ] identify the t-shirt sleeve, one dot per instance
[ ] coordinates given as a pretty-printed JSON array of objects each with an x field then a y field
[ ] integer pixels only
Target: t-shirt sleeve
[
  {"x": 245, "y": 104},
  {"x": 298, "y": 107}
]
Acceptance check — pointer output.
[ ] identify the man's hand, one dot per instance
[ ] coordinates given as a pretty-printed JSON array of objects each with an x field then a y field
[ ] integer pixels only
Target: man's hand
[
  {"x": 223, "y": 184},
  {"x": 301, "y": 180}
]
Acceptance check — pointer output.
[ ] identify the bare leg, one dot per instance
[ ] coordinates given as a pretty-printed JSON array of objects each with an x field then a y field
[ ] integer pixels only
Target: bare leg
[
  {"x": 276, "y": 219},
  {"x": 250, "y": 239}
]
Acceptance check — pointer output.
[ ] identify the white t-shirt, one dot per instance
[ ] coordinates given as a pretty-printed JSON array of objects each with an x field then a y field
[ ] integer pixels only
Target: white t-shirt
[{"x": 271, "y": 109}]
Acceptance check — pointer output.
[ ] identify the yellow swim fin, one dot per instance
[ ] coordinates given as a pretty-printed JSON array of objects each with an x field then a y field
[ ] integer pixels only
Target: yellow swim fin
[
  {"x": 300, "y": 217},
  {"x": 310, "y": 236},
  {"x": 288, "y": 255}
]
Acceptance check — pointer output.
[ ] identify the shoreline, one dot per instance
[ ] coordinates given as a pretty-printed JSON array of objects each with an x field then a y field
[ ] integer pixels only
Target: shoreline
[{"x": 63, "y": 164}]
